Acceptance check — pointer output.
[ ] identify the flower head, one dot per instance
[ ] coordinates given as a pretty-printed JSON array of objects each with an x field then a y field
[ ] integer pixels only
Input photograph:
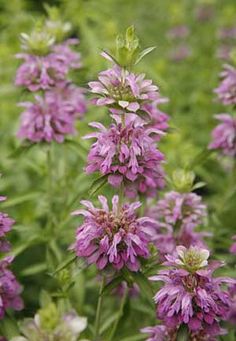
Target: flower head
[
  {"x": 190, "y": 295},
  {"x": 227, "y": 89},
  {"x": 224, "y": 135},
  {"x": 5, "y": 226},
  {"x": 183, "y": 210},
  {"x": 43, "y": 72},
  {"x": 9, "y": 288},
  {"x": 45, "y": 121},
  {"x": 127, "y": 153},
  {"x": 116, "y": 237},
  {"x": 122, "y": 90}
]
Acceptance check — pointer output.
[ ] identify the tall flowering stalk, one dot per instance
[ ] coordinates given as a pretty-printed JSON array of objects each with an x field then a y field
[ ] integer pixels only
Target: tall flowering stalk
[
  {"x": 126, "y": 153},
  {"x": 47, "y": 61},
  {"x": 191, "y": 297}
]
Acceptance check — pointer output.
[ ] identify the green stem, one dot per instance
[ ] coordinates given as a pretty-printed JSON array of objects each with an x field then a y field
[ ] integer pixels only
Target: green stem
[
  {"x": 120, "y": 314},
  {"x": 50, "y": 186},
  {"x": 98, "y": 311}
]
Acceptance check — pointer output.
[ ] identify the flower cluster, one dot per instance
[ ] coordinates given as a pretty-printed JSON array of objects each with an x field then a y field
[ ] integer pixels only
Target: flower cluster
[
  {"x": 176, "y": 216},
  {"x": 112, "y": 237},
  {"x": 227, "y": 89},
  {"x": 9, "y": 287},
  {"x": 127, "y": 154},
  {"x": 52, "y": 115},
  {"x": 126, "y": 151},
  {"x": 224, "y": 135},
  {"x": 49, "y": 324},
  {"x": 191, "y": 296}
]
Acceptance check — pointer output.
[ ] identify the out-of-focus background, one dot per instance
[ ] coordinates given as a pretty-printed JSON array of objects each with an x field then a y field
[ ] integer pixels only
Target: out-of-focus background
[{"x": 193, "y": 38}]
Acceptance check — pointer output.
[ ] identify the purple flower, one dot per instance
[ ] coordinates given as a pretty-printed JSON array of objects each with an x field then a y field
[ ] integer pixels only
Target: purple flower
[
  {"x": 45, "y": 121},
  {"x": 191, "y": 295},
  {"x": 224, "y": 135},
  {"x": 5, "y": 226},
  {"x": 232, "y": 312},
  {"x": 127, "y": 153},
  {"x": 178, "y": 32},
  {"x": 227, "y": 33},
  {"x": 224, "y": 52},
  {"x": 122, "y": 90},
  {"x": 227, "y": 89},
  {"x": 175, "y": 219},
  {"x": 204, "y": 12},
  {"x": 176, "y": 209},
  {"x": 69, "y": 99},
  {"x": 157, "y": 333},
  {"x": 112, "y": 237},
  {"x": 43, "y": 72},
  {"x": 233, "y": 246},
  {"x": 180, "y": 52},
  {"x": 9, "y": 288}
]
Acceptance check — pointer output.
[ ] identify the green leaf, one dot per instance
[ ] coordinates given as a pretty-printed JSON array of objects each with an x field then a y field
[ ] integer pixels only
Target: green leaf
[
  {"x": 44, "y": 298},
  {"x": 112, "y": 285},
  {"x": 200, "y": 158},
  {"x": 21, "y": 199},
  {"x": 97, "y": 185},
  {"x": 65, "y": 264},
  {"x": 143, "y": 283},
  {"x": 137, "y": 337},
  {"x": 144, "y": 53},
  {"x": 34, "y": 269},
  {"x": 198, "y": 185}
]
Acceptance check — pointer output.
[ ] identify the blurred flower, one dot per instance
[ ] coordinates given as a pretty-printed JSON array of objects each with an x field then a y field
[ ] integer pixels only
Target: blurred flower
[
  {"x": 115, "y": 237},
  {"x": 44, "y": 72},
  {"x": 204, "y": 12},
  {"x": 224, "y": 135},
  {"x": 227, "y": 89},
  {"x": 157, "y": 333},
  {"x": 69, "y": 98},
  {"x": 45, "y": 121},
  {"x": 233, "y": 246},
  {"x": 53, "y": 327},
  {"x": 122, "y": 90},
  {"x": 224, "y": 52},
  {"x": 180, "y": 52},
  {"x": 127, "y": 153},
  {"x": 184, "y": 210},
  {"x": 227, "y": 33},
  {"x": 232, "y": 312},
  {"x": 9, "y": 288},
  {"x": 191, "y": 296},
  {"x": 178, "y": 32}
]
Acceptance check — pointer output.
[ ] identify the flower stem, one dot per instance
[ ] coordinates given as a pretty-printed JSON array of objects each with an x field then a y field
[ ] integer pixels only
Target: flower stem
[
  {"x": 98, "y": 311},
  {"x": 120, "y": 314}
]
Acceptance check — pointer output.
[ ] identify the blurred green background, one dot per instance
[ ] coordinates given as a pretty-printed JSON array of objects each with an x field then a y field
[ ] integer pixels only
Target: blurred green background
[{"x": 188, "y": 84}]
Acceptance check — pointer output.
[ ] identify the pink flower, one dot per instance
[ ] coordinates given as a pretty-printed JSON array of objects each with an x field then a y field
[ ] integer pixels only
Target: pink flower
[
  {"x": 224, "y": 135},
  {"x": 44, "y": 72},
  {"x": 69, "y": 99},
  {"x": 233, "y": 246},
  {"x": 178, "y": 32},
  {"x": 227, "y": 89},
  {"x": 9, "y": 288},
  {"x": 157, "y": 333},
  {"x": 112, "y": 237},
  {"x": 190, "y": 295},
  {"x": 5, "y": 226},
  {"x": 127, "y": 153},
  {"x": 122, "y": 90},
  {"x": 45, "y": 121}
]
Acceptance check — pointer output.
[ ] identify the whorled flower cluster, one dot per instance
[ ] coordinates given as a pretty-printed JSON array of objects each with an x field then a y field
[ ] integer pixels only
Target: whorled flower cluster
[
  {"x": 112, "y": 237},
  {"x": 191, "y": 296},
  {"x": 224, "y": 135},
  {"x": 9, "y": 287},
  {"x": 52, "y": 115},
  {"x": 122, "y": 90},
  {"x": 226, "y": 91},
  {"x": 127, "y": 154},
  {"x": 176, "y": 216}
]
